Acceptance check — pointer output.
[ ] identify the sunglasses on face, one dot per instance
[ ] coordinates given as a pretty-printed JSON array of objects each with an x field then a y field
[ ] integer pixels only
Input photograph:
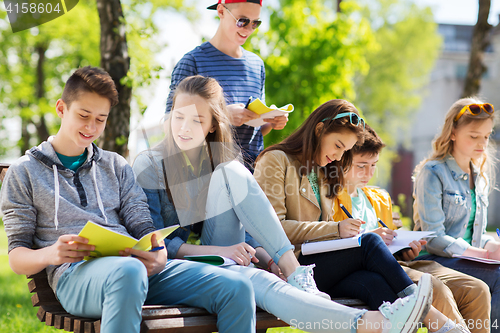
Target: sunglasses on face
[
  {"x": 353, "y": 118},
  {"x": 475, "y": 109},
  {"x": 243, "y": 22}
]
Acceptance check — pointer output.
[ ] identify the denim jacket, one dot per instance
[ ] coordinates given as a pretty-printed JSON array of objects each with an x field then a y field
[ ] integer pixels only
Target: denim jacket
[
  {"x": 443, "y": 203},
  {"x": 148, "y": 169}
]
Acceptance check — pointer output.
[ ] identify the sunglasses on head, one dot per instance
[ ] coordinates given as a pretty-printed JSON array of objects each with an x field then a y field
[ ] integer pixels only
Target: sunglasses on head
[
  {"x": 475, "y": 109},
  {"x": 355, "y": 119},
  {"x": 243, "y": 22}
]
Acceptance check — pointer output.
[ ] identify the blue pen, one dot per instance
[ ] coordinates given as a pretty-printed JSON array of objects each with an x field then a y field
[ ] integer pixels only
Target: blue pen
[
  {"x": 346, "y": 211},
  {"x": 382, "y": 223},
  {"x": 498, "y": 232},
  {"x": 350, "y": 216},
  {"x": 158, "y": 248}
]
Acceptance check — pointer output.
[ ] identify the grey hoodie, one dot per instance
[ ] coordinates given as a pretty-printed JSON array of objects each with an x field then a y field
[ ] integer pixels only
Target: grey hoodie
[{"x": 42, "y": 200}]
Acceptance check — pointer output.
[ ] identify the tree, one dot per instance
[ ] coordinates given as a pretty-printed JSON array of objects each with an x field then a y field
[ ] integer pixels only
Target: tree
[
  {"x": 115, "y": 60},
  {"x": 480, "y": 41},
  {"x": 400, "y": 68},
  {"x": 35, "y": 63},
  {"x": 125, "y": 23},
  {"x": 311, "y": 54}
]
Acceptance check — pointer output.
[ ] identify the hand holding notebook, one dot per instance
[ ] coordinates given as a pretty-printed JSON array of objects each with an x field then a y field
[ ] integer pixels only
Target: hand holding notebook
[
  {"x": 266, "y": 112},
  {"x": 108, "y": 242}
]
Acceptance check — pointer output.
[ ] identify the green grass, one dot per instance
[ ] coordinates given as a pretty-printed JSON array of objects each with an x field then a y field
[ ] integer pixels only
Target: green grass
[{"x": 17, "y": 314}]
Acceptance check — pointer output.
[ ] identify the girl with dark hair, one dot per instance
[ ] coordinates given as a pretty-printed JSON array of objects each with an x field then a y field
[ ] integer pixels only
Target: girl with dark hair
[{"x": 301, "y": 177}]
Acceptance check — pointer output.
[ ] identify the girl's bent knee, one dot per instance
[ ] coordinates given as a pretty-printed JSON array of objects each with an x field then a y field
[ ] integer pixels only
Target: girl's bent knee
[{"x": 372, "y": 238}]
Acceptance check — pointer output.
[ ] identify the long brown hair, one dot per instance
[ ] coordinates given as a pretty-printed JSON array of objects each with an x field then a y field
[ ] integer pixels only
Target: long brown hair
[
  {"x": 305, "y": 143},
  {"x": 220, "y": 145},
  {"x": 442, "y": 145}
]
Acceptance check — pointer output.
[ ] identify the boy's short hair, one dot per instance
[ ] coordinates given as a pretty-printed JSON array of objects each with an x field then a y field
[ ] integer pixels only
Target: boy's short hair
[
  {"x": 90, "y": 79},
  {"x": 372, "y": 145}
]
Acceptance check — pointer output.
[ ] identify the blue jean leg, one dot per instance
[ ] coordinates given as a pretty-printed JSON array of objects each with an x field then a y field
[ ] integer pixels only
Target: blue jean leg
[
  {"x": 228, "y": 294},
  {"x": 490, "y": 274},
  {"x": 236, "y": 202},
  {"x": 296, "y": 307},
  {"x": 113, "y": 288}
]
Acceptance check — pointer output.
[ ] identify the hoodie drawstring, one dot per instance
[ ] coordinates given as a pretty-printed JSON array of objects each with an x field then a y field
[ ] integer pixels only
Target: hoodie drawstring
[
  {"x": 56, "y": 195},
  {"x": 99, "y": 201}
]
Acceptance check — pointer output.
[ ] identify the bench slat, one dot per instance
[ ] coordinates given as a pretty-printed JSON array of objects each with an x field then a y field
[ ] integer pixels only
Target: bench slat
[{"x": 200, "y": 324}]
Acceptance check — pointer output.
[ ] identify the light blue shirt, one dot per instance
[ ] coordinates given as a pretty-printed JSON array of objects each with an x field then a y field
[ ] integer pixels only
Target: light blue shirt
[
  {"x": 363, "y": 210},
  {"x": 443, "y": 204}
]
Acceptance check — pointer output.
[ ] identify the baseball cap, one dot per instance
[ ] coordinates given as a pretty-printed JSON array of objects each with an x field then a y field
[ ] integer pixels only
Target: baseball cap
[{"x": 233, "y": 1}]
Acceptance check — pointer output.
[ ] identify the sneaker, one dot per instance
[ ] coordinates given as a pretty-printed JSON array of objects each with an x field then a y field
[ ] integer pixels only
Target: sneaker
[
  {"x": 405, "y": 314},
  {"x": 303, "y": 279}
]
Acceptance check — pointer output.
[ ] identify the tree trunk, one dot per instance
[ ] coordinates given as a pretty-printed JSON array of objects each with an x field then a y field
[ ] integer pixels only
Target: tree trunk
[
  {"x": 480, "y": 41},
  {"x": 25, "y": 135},
  {"x": 41, "y": 127},
  {"x": 338, "y": 6},
  {"x": 115, "y": 60}
]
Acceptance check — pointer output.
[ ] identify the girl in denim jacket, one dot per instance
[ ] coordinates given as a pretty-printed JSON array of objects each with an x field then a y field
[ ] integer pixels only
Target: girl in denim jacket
[{"x": 451, "y": 196}]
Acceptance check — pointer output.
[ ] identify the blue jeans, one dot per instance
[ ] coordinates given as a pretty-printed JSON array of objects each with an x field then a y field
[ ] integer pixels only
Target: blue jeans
[
  {"x": 115, "y": 288},
  {"x": 237, "y": 203},
  {"x": 368, "y": 272},
  {"x": 490, "y": 274}
]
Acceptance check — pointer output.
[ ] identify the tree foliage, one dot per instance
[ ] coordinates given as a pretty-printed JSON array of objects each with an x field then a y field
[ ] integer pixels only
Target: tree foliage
[
  {"x": 312, "y": 54},
  {"x": 35, "y": 63},
  {"x": 400, "y": 67},
  {"x": 399, "y": 70}
]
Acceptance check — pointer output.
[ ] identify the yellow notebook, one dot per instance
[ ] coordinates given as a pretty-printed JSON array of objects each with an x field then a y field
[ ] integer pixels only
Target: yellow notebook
[
  {"x": 266, "y": 112},
  {"x": 108, "y": 242}
]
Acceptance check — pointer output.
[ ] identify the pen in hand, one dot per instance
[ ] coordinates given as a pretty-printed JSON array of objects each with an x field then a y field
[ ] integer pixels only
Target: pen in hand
[
  {"x": 382, "y": 223},
  {"x": 498, "y": 233},
  {"x": 158, "y": 248},
  {"x": 346, "y": 211},
  {"x": 248, "y": 102}
]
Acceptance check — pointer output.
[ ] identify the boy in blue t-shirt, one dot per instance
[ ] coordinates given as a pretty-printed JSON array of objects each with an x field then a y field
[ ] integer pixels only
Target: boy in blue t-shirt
[
  {"x": 50, "y": 193},
  {"x": 240, "y": 73}
]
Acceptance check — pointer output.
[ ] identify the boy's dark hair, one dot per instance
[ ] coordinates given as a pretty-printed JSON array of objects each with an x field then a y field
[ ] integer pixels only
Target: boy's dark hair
[
  {"x": 372, "y": 145},
  {"x": 90, "y": 79}
]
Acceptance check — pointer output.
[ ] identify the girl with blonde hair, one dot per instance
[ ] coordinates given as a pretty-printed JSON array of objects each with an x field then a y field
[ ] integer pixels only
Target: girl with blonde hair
[
  {"x": 451, "y": 195},
  {"x": 193, "y": 176}
]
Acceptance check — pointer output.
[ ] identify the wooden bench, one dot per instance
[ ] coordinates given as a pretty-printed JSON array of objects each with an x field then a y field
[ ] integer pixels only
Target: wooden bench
[{"x": 155, "y": 318}]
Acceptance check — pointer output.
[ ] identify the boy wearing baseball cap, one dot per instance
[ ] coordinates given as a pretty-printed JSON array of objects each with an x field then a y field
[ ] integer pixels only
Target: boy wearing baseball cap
[{"x": 240, "y": 73}]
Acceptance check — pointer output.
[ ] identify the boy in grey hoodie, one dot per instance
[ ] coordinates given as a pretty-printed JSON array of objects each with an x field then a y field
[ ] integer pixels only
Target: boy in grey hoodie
[{"x": 50, "y": 193}]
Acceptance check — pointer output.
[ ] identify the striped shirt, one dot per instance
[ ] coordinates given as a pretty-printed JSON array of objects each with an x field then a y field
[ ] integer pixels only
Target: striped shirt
[{"x": 240, "y": 78}]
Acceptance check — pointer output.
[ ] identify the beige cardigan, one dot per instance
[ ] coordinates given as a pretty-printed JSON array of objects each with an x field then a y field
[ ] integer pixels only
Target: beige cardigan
[{"x": 293, "y": 198}]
